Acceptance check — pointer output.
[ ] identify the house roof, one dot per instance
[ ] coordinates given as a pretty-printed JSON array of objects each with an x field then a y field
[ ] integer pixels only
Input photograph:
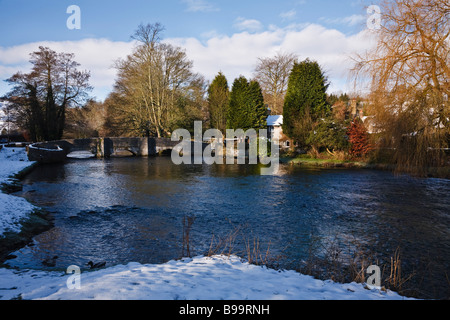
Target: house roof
[{"x": 274, "y": 121}]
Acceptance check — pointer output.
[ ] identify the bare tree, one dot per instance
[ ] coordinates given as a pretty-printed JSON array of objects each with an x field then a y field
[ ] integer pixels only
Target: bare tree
[
  {"x": 153, "y": 80},
  {"x": 149, "y": 34},
  {"x": 42, "y": 96},
  {"x": 409, "y": 79},
  {"x": 273, "y": 75},
  {"x": 87, "y": 121}
]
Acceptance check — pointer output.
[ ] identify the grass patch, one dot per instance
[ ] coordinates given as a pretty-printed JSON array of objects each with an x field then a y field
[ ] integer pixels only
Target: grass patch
[{"x": 307, "y": 160}]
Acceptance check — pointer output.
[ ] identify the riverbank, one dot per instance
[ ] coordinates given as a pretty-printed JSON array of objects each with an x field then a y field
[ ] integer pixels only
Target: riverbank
[
  {"x": 199, "y": 278},
  {"x": 13, "y": 210},
  {"x": 442, "y": 172},
  {"x": 19, "y": 220},
  {"x": 327, "y": 163}
]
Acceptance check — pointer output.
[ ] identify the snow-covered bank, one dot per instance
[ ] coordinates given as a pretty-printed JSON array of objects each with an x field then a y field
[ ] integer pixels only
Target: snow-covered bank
[
  {"x": 200, "y": 278},
  {"x": 12, "y": 209}
]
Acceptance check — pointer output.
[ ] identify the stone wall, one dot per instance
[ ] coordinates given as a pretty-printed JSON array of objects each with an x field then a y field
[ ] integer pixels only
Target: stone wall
[
  {"x": 141, "y": 147},
  {"x": 110, "y": 147}
]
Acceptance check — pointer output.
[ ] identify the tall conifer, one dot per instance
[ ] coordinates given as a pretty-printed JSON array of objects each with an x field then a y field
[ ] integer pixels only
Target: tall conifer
[
  {"x": 218, "y": 102},
  {"x": 306, "y": 99},
  {"x": 247, "y": 109}
]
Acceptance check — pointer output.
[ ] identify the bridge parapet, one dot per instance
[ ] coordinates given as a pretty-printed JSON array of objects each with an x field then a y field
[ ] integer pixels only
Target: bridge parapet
[
  {"x": 105, "y": 147},
  {"x": 140, "y": 147}
]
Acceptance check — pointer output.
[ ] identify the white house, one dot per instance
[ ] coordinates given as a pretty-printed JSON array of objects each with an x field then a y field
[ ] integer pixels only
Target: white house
[
  {"x": 274, "y": 127},
  {"x": 275, "y": 130}
]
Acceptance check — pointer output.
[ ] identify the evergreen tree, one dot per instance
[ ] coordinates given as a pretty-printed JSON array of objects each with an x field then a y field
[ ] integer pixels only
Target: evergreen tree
[
  {"x": 236, "y": 109},
  {"x": 329, "y": 134},
  {"x": 218, "y": 102},
  {"x": 306, "y": 98},
  {"x": 258, "y": 110},
  {"x": 246, "y": 109}
]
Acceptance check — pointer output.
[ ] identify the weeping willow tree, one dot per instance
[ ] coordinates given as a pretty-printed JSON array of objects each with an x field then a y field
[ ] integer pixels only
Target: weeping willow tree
[{"x": 409, "y": 80}]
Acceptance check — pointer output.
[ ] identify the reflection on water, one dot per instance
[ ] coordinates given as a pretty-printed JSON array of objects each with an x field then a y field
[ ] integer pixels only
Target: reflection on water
[{"x": 131, "y": 209}]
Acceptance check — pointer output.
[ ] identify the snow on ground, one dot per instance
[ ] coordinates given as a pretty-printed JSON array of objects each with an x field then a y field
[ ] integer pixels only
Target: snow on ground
[
  {"x": 12, "y": 209},
  {"x": 200, "y": 278},
  {"x": 12, "y": 161}
]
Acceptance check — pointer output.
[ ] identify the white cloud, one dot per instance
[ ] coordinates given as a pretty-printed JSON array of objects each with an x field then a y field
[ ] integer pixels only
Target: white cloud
[
  {"x": 354, "y": 19},
  {"x": 200, "y": 6},
  {"x": 288, "y": 15},
  {"x": 95, "y": 55},
  {"x": 237, "y": 54},
  {"x": 250, "y": 25},
  {"x": 234, "y": 55},
  {"x": 351, "y": 21}
]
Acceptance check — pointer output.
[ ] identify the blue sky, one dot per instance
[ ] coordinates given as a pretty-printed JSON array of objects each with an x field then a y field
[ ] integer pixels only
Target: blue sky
[{"x": 229, "y": 33}]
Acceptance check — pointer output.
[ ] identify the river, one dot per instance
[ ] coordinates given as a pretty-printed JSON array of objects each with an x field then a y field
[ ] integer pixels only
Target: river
[{"x": 132, "y": 209}]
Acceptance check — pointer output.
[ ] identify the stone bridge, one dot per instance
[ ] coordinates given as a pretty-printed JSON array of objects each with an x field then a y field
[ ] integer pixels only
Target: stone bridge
[{"x": 111, "y": 147}]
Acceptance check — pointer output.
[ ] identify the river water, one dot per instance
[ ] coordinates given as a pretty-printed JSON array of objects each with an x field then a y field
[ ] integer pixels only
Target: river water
[{"x": 132, "y": 209}]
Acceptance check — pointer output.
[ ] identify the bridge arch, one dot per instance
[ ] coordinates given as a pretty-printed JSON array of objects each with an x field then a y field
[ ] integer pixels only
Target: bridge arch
[{"x": 55, "y": 151}]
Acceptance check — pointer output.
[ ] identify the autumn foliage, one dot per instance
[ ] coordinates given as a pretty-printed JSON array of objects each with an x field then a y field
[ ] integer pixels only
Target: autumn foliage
[{"x": 359, "y": 139}]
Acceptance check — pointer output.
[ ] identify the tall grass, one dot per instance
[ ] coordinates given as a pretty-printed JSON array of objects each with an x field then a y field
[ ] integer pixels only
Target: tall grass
[
  {"x": 188, "y": 221},
  {"x": 327, "y": 258},
  {"x": 233, "y": 242}
]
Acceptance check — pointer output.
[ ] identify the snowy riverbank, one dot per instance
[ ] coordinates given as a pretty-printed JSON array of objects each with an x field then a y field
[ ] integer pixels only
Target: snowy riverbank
[
  {"x": 200, "y": 278},
  {"x": 12, "y": 209}
]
